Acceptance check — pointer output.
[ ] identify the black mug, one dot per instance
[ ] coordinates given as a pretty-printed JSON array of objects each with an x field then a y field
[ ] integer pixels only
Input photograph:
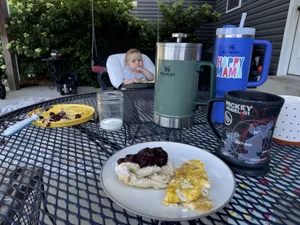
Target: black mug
[{"x": 249, "y": 123}]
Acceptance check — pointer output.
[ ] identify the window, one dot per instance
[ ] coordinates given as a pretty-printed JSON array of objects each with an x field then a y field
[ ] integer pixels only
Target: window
[{"x": 233, "y": 4}]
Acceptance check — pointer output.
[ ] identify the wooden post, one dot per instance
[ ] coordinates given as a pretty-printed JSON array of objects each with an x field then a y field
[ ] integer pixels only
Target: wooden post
[{"x": 10, "y": 59}]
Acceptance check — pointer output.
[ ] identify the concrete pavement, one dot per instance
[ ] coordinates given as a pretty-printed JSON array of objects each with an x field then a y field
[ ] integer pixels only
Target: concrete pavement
[{"x": 34, "y": 94}]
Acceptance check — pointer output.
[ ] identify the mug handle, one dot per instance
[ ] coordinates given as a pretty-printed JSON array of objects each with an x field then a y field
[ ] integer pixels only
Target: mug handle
[
  {"x": 212, "y": 90},
  {"x": 209, "y": 115},
  {"x": 266, "y": 64}
]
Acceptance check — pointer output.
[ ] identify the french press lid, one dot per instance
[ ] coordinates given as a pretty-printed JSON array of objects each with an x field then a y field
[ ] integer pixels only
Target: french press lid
[
  {"x": 178, "y": 43},
  {"x": 179, "y": 50},
  {"x": 179, "y": 36}
]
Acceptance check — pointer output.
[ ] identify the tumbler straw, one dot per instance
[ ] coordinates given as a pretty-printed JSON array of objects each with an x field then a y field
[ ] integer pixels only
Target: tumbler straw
[{"x": 244, "y": 15}]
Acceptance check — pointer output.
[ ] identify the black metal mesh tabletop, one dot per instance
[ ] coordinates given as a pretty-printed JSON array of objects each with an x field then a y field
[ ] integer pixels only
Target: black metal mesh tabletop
[{"x": 51, "y": 175}]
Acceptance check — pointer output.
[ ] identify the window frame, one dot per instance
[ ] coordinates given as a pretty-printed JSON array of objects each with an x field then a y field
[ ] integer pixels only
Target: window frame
[{"x": 237, "y": 7}]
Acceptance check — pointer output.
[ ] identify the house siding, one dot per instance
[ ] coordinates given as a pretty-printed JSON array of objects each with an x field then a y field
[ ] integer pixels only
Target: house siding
[
  {"x": 147, "y": 9},
  {"x": 267, "y": 16}
]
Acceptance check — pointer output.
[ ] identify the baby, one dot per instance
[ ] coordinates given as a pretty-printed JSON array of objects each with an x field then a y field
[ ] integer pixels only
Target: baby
[{"x": 134, "y": 71}]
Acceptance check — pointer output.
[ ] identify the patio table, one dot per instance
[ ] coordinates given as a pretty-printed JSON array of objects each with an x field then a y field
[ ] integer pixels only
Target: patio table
[{"x": 69, "y": 160}]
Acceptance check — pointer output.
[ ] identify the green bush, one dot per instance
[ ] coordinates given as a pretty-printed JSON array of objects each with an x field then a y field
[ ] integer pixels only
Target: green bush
[
  {"x": 176, "y": 18},
  {"x": 37, "y": 26}
]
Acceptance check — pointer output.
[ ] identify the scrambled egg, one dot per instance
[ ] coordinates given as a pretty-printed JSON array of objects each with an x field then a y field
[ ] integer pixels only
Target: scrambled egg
[{"x": 189, "y": 187}]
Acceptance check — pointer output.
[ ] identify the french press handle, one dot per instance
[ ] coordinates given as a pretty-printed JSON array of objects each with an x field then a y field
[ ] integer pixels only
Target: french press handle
[{"x": 179, "y": 36}]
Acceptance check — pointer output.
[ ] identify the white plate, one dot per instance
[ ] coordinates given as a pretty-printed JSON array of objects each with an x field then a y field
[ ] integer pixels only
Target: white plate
[{"x": 148, "y": 202}]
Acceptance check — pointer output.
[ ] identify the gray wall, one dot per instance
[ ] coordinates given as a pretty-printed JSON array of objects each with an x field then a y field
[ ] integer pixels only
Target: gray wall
[
  {"x": 267, "y": 16},
  {"x": 147, "y": 9}
]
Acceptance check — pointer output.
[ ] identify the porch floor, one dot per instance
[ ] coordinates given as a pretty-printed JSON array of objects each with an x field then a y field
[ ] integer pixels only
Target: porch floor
[
  {"x": 32, "y": 95},
  {"x": 282, "y": 85}
]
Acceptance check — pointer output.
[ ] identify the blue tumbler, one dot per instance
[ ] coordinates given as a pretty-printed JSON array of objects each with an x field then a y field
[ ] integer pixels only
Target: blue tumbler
[{"x": 232, "y": 57}]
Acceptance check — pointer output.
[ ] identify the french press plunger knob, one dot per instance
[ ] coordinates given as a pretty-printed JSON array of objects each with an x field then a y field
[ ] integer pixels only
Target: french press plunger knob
[{"x": 179, "y": 36}]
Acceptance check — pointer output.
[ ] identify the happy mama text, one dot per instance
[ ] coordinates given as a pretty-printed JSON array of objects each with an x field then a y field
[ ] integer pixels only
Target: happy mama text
[{"x": 230, "y": 67}]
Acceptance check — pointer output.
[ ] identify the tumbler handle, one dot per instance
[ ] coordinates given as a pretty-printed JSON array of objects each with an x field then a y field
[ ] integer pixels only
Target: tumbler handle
[
  {"x": 266, "y": 64},
  {"x": 209, "y": 116}
]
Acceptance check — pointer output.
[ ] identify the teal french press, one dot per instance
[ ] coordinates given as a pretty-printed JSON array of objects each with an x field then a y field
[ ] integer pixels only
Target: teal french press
[{"x": 176, "y": 82}]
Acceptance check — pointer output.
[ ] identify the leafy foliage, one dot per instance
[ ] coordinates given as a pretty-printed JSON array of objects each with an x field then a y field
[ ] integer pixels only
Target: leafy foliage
[
  {"x": 178, "y": 18},
  {"x": 37, "y": 26}
]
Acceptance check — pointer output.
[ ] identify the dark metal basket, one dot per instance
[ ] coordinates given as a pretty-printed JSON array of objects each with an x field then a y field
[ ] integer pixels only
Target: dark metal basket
[{"x": 2, "y": 87}]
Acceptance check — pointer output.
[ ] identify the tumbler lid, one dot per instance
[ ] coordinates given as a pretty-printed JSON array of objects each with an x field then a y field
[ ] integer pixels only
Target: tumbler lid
[{"x": 233, "y": 30}]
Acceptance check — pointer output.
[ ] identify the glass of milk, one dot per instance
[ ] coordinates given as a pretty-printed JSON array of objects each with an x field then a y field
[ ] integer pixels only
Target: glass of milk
[{"x": 110, "y": 108}]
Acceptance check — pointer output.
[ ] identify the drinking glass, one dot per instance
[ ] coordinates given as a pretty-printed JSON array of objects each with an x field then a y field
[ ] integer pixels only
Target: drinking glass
[{"x": 110, "y": 108}]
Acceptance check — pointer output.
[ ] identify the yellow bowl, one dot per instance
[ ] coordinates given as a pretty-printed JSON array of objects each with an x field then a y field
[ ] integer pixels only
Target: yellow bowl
[{"x": 71, "y": 110}]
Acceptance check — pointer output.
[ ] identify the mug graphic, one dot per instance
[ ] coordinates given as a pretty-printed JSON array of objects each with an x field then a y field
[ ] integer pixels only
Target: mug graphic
[
  {"x": 249, "y": 122},
  {"x": 230, "y": 66},
  {"x": 166, "y": 71},
  {"x": 248, "y": 134}
]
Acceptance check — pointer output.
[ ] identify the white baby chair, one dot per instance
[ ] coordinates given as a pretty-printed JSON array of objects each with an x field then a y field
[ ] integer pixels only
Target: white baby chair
[{"x": 115, "y": 65}]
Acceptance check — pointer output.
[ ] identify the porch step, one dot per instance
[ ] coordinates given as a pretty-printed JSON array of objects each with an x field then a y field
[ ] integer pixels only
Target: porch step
[{"x": 282, "y": 85}]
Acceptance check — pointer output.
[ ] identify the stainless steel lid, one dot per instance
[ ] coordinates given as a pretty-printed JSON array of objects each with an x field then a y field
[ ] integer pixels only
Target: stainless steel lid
[
  {"x": 231, "y": 31},
  {"x": 178, "y": 51}
]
